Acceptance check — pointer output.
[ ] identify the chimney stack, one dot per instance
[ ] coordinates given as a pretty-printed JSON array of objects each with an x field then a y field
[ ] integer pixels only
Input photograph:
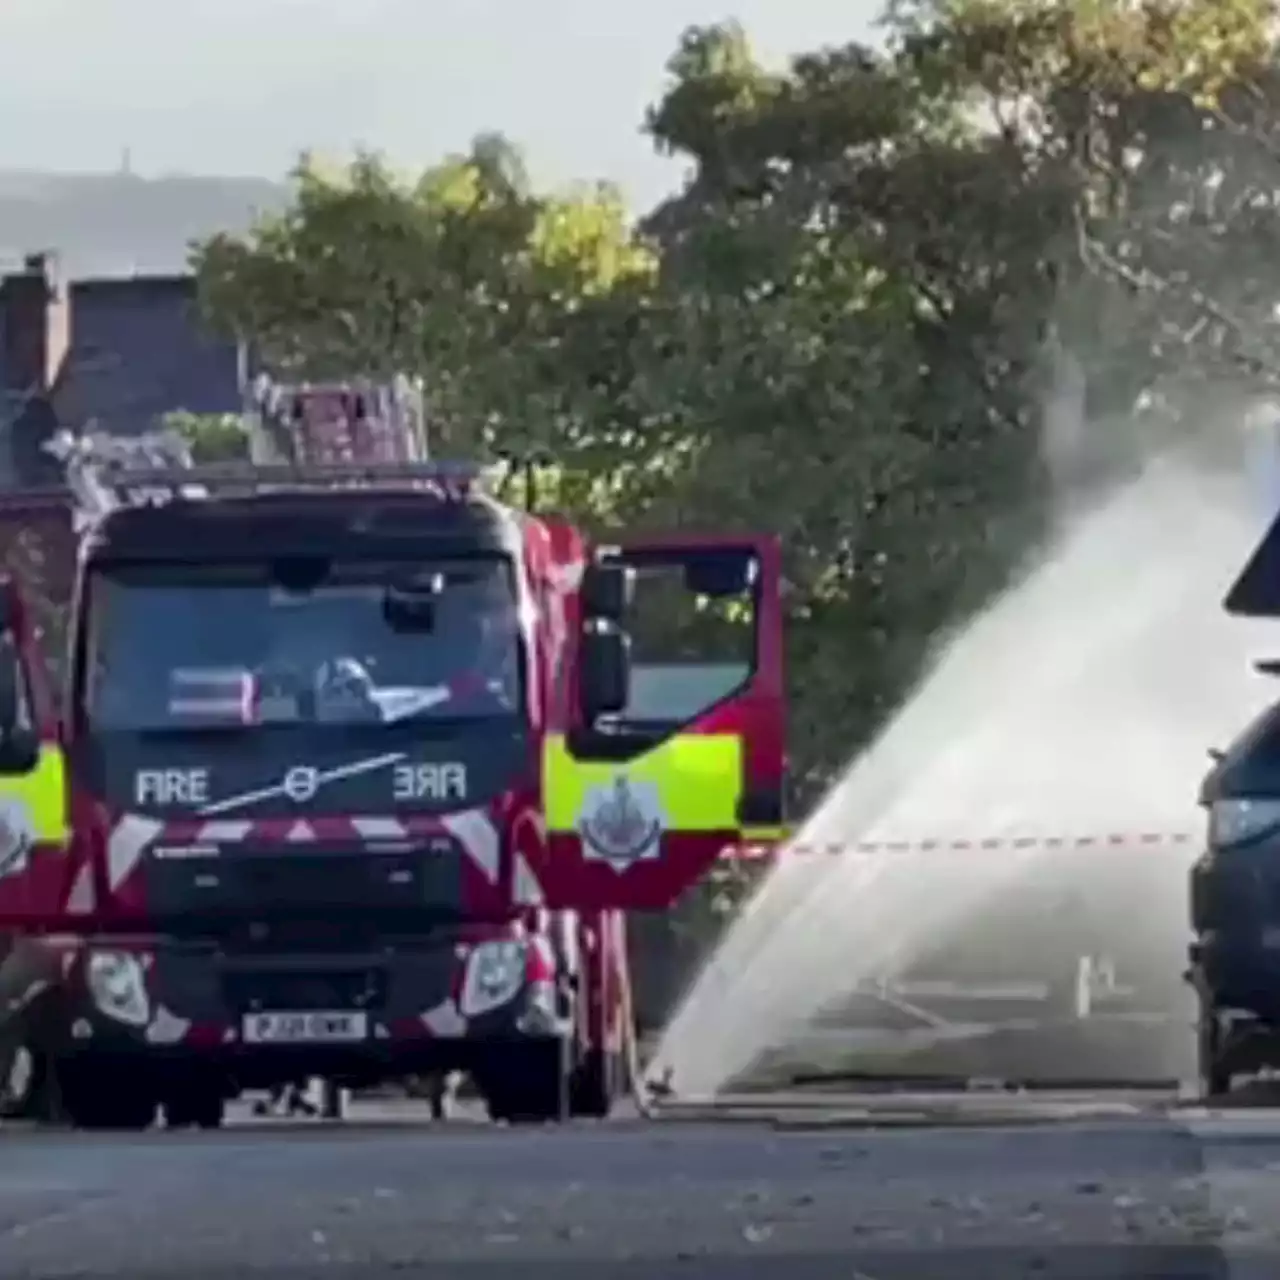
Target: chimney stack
[{"x": 37, "y": 327}]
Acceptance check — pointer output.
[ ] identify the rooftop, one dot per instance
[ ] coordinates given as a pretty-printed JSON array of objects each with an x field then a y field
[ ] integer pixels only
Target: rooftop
[{"x": 133, "y": 349}]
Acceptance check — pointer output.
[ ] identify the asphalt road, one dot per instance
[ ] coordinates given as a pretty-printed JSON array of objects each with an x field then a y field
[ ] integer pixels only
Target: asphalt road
[{"x": 388, "y": 1196}]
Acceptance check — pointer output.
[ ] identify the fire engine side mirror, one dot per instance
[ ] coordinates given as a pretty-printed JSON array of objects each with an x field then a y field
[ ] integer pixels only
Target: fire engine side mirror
[
  {"x": 606, "y": 591},
  {"x": 19, "y": 745},
  {"x": 8, "y": 691},
  {"x": 10, "y": 670},
  {"x": 19, "y": 752},
  {"x": 604, "y": 671},
  {"x": 9, "y": 702}
]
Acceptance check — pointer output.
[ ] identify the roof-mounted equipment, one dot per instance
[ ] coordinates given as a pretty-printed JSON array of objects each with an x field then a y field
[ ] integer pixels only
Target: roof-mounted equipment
[{"x": 106, "y": 472}]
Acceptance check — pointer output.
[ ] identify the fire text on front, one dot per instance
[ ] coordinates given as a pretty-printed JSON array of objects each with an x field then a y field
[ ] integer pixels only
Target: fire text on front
[
  {"x": 171, "y": 786},
  {"x": 430, "y": 782}
]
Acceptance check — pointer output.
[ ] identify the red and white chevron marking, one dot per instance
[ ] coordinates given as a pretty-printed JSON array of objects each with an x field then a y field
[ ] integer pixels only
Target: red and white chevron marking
[
  {"x": 1115, "y": 840},
  {"x": 292, "y": 830},
  {"x": 132, "y": 835}
]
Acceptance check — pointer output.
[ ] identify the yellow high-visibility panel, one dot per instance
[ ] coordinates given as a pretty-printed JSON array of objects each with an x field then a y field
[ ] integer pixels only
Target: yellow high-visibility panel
[
  {"x": 696, "y": 779},
  {"x": 36, "y": 802}
]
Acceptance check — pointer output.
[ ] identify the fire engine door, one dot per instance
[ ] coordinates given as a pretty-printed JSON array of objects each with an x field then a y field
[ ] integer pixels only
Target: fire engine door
[
  {"x": 33, "y": 802},
  {"x": 642, "y": 802}
]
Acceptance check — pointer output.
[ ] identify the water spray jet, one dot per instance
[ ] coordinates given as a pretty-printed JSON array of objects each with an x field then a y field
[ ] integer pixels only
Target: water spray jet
[{"x": 1084, "y": 698}]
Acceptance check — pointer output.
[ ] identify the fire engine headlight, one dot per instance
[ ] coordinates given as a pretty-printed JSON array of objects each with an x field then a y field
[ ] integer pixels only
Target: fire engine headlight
[
  {"x": 118, "y": 987},
  {"x": 495, "y": 975}
]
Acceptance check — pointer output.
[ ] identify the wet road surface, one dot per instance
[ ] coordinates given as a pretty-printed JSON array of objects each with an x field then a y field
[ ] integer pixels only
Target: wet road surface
[{"x": 387, "y": 1196}]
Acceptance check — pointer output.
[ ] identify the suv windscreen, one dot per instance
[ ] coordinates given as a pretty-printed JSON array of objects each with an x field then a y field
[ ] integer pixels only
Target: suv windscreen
[{"x": 173, "y": 647}]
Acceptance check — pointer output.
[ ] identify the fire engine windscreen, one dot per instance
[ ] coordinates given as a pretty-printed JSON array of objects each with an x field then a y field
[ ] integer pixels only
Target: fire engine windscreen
[{"x": 307, "y": 640}]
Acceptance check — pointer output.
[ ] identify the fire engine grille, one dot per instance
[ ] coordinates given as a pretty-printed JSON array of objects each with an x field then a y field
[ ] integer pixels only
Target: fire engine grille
[
  {"x": 270, "y": 885},
  {"x": 251, "y": 990}
]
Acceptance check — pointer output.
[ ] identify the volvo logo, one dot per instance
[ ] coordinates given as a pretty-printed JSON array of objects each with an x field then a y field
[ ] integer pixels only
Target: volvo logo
[{"x": 301, "y": 783}]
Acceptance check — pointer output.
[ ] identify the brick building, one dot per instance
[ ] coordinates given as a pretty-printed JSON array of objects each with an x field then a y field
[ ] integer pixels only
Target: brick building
[{"x": 113, "y": 354}]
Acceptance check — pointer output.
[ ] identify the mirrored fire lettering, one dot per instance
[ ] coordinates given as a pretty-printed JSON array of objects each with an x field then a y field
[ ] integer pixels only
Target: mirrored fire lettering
[{"x": 438, "y": 782}]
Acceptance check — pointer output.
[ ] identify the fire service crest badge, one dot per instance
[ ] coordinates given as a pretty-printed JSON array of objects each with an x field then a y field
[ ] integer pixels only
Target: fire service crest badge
[{"x": 622, "y": 823}]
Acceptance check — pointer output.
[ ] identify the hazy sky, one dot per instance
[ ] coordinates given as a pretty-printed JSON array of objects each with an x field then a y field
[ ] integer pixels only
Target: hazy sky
[{"x": 240, "y": 86}]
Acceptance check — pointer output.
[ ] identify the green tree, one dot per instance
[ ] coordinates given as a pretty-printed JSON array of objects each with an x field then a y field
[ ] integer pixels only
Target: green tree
[
  {"x": 865, "y": 282},
  {"x": 213, "y": 437},
  {"x": 461, "y": 276},
  {"x": 1159, "y": 123}
]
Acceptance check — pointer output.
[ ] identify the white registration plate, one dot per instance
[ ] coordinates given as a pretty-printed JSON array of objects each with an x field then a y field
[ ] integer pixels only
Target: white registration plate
[{"x": 305, "y": 1028}]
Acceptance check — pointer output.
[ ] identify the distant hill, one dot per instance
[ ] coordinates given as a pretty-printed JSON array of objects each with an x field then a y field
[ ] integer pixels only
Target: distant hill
[{"x": 119, "y": 224}]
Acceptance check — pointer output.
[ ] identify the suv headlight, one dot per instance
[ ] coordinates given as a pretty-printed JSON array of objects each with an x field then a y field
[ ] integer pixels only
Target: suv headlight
[
  {"x": 118, "y": 986},
  {"x": 1235, "y": 822},
  {"x": 495, "y": 975}
]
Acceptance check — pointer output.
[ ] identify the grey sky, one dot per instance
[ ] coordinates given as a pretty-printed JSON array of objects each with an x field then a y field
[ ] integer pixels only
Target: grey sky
[{"x": 240, "y": 86}]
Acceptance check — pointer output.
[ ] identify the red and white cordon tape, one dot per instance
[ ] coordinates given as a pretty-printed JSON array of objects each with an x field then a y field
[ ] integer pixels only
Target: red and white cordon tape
[{"x": 977, "y": 844}]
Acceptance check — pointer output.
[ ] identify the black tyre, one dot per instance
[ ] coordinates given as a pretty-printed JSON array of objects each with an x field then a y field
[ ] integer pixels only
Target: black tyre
[
  {"x": 23, "y": 1075},
  {"x": 198, "y": 1107},
  {"x": 1214, "y": 1077},
  {"x": 528, "y": 1083},
  {"x": 28, "y": 1084},
  {"x": 96, "y": 1099}
]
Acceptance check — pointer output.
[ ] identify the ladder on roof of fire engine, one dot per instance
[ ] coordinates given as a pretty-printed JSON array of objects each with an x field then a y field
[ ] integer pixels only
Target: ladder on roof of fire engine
[
  {"x": 336, "y": 422},
  {"x": 105, "y": 472},
  {"x": 301, "y": 436}
]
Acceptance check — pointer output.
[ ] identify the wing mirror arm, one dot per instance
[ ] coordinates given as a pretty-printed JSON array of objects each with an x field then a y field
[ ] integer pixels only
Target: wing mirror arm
[{"x": 19, "y": 743}]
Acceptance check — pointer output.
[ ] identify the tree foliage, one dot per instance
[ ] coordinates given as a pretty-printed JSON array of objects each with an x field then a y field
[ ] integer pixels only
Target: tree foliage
[
  {"x": 213, "y": 437},
  {"x": 841, "y": 327}
]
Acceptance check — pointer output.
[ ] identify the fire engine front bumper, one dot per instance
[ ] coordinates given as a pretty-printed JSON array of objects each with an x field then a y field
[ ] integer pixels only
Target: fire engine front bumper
[{"x": 439, "y": 1005}]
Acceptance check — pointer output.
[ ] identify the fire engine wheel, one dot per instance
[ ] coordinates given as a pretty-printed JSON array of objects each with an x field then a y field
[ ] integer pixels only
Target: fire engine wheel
[
  {"x": 21, "y": 1083},
  {"x": 96, "y": 1099},
  {"x": 27, "y": 1084},
  {"x": 528, "y": 1083},
  {"x": 196, "y": 1107}
]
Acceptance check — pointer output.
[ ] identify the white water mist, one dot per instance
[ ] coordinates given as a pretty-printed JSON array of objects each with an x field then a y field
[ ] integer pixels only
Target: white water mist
[{"x": 1082, "y": 700}]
